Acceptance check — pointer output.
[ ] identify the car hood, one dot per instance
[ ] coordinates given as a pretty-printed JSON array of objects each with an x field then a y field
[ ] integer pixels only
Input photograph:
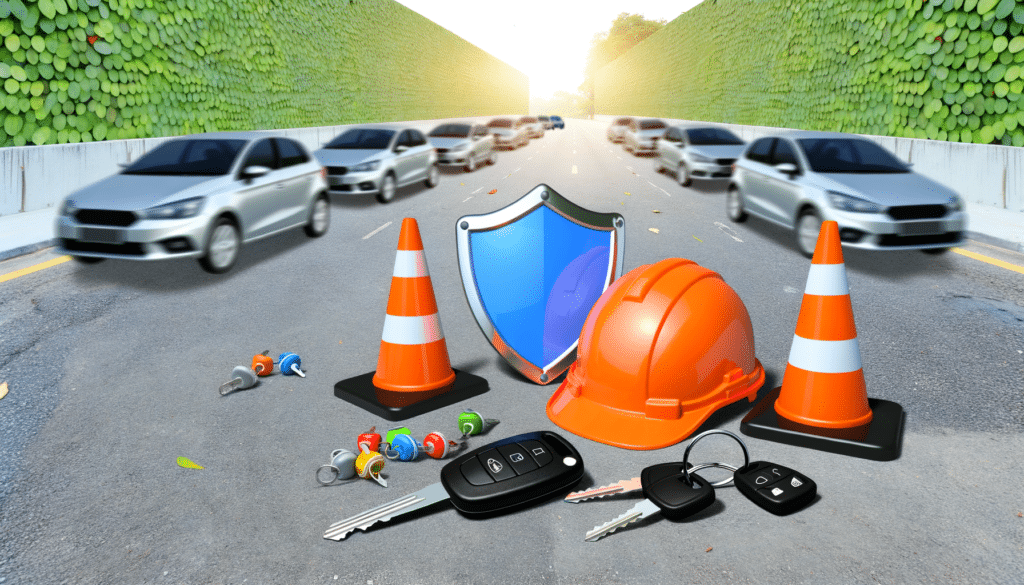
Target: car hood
[
  {"x": 503, "y": 131},
  {"x": 134, "y": 192},
  {"x": 647, "y": 134},
  {"x": 340, "y": 157},
  {"x": 887, "y": 189},
  {"x": 449, "y": 143},
  {"x": 718, "y": 150}
]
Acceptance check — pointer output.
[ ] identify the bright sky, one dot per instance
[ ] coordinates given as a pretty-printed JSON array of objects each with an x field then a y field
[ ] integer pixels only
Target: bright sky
[{"x": 548, "y": 40}]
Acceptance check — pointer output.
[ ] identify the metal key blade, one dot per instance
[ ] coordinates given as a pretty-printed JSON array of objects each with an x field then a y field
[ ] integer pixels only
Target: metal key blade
[
  {"x": 641, "y": 510},
  {"x": 429, "y": 495},
  {"x": 626, "y": 485}
]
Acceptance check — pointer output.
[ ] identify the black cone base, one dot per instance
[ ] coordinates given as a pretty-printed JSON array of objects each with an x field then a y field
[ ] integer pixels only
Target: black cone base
[
  {"x": 879, "y": 440},
  {"x": 393, "y": 406}
]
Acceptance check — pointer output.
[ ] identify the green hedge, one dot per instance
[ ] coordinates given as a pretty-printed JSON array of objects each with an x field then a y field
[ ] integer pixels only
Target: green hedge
[
  {"x": 84, "y": 70},
  {"x": 939, "y": 69}
]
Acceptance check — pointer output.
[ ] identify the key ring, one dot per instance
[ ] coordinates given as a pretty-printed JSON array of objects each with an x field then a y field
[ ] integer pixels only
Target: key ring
[{"x": 724, "y": 482}]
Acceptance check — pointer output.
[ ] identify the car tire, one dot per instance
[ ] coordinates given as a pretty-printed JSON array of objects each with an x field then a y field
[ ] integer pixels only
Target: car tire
[
  {"x": 808, "y": 228},
  {"x": 734, "y": 205},
  {"x": 87, "y": 259},
  {"x": 493, "y": 158},
  {"x": 935, "y": 251},
  {"x": 433, "y": 177},
  {"x": 387, "y": 189},
  {"x": 470, "y": 164},
  {"x": 683, "y": 175},
  {"x": 658, "y": 167},
  {"x": 319, "y": 217},
  {"x": 222, "y": 247}
]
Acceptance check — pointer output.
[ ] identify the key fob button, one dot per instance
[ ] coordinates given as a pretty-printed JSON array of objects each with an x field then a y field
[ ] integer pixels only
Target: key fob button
[
  {"x": 474, "y": 473},
  {"x": 496, "y": 465},
  {"x": 518, "y": 458},
  {"x": 540, "y": 452}
]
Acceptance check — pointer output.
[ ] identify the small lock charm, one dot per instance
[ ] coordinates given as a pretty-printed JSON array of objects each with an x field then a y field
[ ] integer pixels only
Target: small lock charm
[
  {"x": 438, "y": 447},
  {"x": 263, "y": 364},
  {"x": 472, "y": 422},
  {"x": 369, "y": 465},
  {"x": 370, "y": 439},
  {"x": 342, "y": 466}
]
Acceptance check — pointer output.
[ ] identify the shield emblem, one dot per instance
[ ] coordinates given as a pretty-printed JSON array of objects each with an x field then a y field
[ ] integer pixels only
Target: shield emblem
[{"x": 532, "y": 271}]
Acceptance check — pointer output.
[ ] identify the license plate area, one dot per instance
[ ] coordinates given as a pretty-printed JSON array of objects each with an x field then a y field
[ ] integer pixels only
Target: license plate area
[{"x": 100, "y": 236}]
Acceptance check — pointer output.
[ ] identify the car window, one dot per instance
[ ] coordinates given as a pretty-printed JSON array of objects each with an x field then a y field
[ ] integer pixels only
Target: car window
[
  {"x": 652, "y": 124},
  {"x": 479, "y": 131},
  {"x": 784, "y": 154},
  {"x": 262, "y": 154},
  {"x": 403, "y": 139},
  {"x": 290, "y": 152},
  {"x": 188, "y": 157},
  {"x": 450, "y": 131},
  {"x": 853, "y": 155},
  {"x": 623, "y": 121},
  {"x": 362, "y": 139},
  {"x": 500, "y": 123},
  {"x": 760, "y": 150},
  {"x": 670, "y": 135},
  {"x": 713, "y": 136},
  {"x": 416, "y": 138}
]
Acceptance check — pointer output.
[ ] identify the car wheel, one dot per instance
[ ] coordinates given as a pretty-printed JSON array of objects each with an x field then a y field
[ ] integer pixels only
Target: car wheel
[
  {"x": 222, "y": 247},
  {"x": 808, "y": 227},
  {"x": 387, "y": 189},
  {"x": 734, "y": 205},
  {"x": 935, "y": 251},
  {"x": 433, "y": 177},
  {"x": 683, "y": 175},
  {"x": 470, "y": 164},
  {"x": 493, "y": 158},
  {"x": 319, "y": 217},
  {"x": 87, "y": 259}
]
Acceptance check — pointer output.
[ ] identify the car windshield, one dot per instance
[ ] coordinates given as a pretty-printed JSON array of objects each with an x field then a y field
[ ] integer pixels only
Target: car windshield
[
  {"x": 450, "y": 131},
  {"x": 528, "y": 120},
  {"x": 556, "y": 118},
  {"x": 651, "y": 124},
  {"x": 502, "y": 123},
  {"x": 842, "y": 155},
  {"x": 622, "y": 121},
  {"x": 543, "y": 118},
  {"x": 701, "y": 136},
  {"x": 362, "y": 139},
  {"x": 188, "y": 157}
]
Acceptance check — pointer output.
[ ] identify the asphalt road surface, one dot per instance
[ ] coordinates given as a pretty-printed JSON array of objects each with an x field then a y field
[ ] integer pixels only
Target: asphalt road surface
[{"x": 113, "y": 372}]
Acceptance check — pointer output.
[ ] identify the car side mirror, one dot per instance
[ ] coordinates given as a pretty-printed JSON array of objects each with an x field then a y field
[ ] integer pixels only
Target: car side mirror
[
  {"x": 124, "y": 165},
  {"x": 787, "y": 168},
  {"x": 254, "y": 171},
  {"x": 401, "y": 148}
]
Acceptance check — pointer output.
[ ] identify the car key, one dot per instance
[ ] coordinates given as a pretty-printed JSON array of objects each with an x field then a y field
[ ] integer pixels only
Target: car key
[
  {"x": 665, "y": 490},
  {"x": 620, "y": 487},
  {"x": 500, "y": 477},
  {"x": 775, "y": 488}
]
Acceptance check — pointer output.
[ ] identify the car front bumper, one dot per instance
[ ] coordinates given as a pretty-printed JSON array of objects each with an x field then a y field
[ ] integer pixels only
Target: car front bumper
[
  {"x": 878, "y": 231},
  {"x": 709, "y": 170},
  {"x": 361, "y": 183},
  {"x": 144, "y": 239},
  {"x": 453, "y": 159}
]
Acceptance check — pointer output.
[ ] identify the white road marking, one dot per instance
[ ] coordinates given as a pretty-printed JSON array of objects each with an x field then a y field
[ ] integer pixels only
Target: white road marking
[
  {"x": 728, "y": 231},
  {"x": 574, "y": 169},
  {"x": 517, "y": 170},
  {"x": 665, "y": 192},
  {"x": 371, "y": 234},
  {"x": 467, "y": 199},
  {"x": 478, "y": 190},
  {"x": 652, "y": 184},
  {"x": 531, "y": 158}
]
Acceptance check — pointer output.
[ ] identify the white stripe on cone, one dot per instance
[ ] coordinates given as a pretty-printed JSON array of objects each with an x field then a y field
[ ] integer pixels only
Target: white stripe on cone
[
  {"x": 412, "y": 330},
  {"x": 410, "y": 264},
  {"x": 826, "y": 357},
  {"x": 827, "y": 280}
]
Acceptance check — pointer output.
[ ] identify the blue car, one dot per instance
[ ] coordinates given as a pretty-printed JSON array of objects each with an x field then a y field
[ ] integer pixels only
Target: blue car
[{"x": 556, "y": 122}]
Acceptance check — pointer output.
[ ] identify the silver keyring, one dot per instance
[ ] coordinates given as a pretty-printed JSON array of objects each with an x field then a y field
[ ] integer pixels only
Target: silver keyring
[{"x": 724, "y": 482}]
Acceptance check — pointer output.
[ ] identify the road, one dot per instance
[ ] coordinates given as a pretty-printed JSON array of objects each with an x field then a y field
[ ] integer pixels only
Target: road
[{"x": 113, "y": 370}]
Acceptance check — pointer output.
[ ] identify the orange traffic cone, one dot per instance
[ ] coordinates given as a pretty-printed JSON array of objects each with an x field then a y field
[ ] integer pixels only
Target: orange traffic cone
[
  {"x": 823, "y": 402},
  {"x": 413, "y": 354},
  {"x": 414, "y": 374}
]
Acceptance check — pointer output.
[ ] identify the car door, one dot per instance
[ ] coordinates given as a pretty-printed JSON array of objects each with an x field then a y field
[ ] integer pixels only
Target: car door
[
  {"x": 753, "y": 177},
  {"x": 669, "y": 148},
  {"x": 259, "y": 198},
  {"x": 421, "y": 157},
  {"x": 298, "y": 181},
  {"x": 405, "y": 168},
  {"x": 481, "y": 145},
  {"x": 783, "y": 190}
]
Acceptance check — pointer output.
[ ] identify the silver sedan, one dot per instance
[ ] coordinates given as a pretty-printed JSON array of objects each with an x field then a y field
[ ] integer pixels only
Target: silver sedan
[
  {"x": 463, "y": 145},
  {"x": 378, "y": 159},
  {"x": 799, "y": 179},
  {"x": 509, "y": 133},
  {"x": 702, "y": 152},
  {"x": 641, "y": 135},
  {"x": 198, "y": 196}
]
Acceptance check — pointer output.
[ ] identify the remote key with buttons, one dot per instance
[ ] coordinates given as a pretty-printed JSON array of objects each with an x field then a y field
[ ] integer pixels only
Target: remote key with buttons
[
  {"x": 500, "y": 477},
  {"x": 775, "y": 488}
]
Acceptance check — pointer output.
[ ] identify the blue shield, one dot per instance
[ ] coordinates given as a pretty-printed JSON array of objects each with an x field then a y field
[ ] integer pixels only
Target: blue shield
[{"x": 532, "y": 271}]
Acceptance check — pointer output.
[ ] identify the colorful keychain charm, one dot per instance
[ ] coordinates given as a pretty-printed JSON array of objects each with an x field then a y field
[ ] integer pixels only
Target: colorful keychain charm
[
  {"x": 342, "y": 466},
  {"x": 472, "y": 422},
  {"x": 403, "y": 448},
  {"x": 263, "y": 364},
  {"x": 369, "y": 464},
  {"x": 370, "y": 439},
  {"x": 438, "y": 447}
]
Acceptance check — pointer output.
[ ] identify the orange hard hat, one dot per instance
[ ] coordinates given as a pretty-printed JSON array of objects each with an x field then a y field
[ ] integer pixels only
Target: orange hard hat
[{"x": 664, "y": 347}]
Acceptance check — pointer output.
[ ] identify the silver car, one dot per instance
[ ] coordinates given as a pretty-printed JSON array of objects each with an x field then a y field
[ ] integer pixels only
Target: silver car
[
  {"x": 200, "y": 196},
  {"x": 618, "y": 128},
  {"x": 378, "y": 159},
  {"x": 642, "y": 134},
  {"x": 546, "y": 121},
  {"x": 508, "y": 133},
  {"x": 799, "y": 179},
  {"x": 534, "y": 127},
  {"x": 701, "y": 152},
  {"x": 463, "y": 145}
]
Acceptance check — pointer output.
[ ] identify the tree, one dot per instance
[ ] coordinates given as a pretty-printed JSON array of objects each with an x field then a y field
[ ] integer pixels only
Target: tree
[{"x": 626, "y": 32}]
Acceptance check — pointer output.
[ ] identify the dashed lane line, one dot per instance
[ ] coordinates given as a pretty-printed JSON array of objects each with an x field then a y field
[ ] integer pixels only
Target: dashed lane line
[{"x": 374, "y": 232}]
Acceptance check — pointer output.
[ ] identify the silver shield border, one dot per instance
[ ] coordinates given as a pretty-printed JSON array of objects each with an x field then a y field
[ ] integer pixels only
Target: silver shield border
[{"x": 541, "y": 195}]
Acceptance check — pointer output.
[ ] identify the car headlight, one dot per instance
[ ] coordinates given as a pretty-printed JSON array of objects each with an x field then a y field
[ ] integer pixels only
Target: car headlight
[
  {"x": 955, "y": 203},
  {"x": 700, "y": 158},
  {"x": 367, "y": 166},
  {"x": 176, "y": 210},
  {"x": 68, "y": 208},
  {"x": 850, "y": 203}
]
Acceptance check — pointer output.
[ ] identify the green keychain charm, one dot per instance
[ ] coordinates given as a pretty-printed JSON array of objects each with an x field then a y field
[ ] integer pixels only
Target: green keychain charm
[
  {"x": 472, "y": 422},
  {"x": 389, "y": 438}
]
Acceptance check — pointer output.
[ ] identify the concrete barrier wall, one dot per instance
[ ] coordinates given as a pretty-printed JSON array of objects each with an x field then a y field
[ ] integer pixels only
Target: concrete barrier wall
[
  {"x": 982, "y": 174},
  {"x": 37, "y": 177}
]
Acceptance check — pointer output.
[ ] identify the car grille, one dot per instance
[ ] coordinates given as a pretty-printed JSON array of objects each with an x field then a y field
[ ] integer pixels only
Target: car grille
[
  {"x": 105, "y": 217},
  {"x": 917, "y": 211},
  {"x": 128, "y": 249},
  {"x": 724, "y": 161},
  {"x": 337, "y": 170},
  {"x": 441, "y": 150},
  {"x": 890, "y": 240}
]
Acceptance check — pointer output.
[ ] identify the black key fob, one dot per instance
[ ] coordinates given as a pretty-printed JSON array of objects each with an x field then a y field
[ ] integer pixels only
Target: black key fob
[
  {"x": 666, "y": 486},
  {"x": 775, "y": 488},
  {"x": 511, "y": 473}
]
